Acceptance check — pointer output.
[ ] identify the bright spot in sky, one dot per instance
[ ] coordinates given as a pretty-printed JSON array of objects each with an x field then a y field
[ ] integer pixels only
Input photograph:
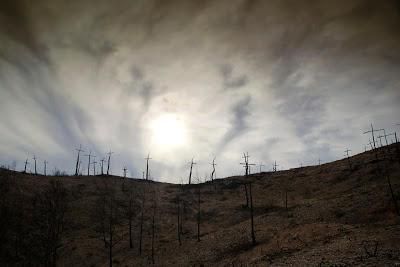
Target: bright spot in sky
[{"x": 168, "y": 131}]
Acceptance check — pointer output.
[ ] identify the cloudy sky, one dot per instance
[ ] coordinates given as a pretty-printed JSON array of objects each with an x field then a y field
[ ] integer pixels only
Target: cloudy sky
[{"x": 285, "y": 80}]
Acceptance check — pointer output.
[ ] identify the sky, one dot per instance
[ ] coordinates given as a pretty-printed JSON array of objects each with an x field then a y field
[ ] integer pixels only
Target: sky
[{"x": 289, "y": 81}]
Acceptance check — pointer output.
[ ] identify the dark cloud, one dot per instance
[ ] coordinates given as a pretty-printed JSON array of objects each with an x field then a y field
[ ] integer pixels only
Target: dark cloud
[
  {"x": 238, "y": 122},
  {"x": 72, "y": 73},
  {"x": 230, "y": 80}
]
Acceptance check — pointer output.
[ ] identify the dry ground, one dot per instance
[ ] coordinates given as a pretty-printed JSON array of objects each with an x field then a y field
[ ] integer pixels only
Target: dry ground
[{"x": 335, "y": 217}]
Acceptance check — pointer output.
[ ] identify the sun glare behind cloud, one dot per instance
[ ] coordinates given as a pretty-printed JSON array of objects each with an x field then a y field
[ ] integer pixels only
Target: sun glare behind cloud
[{"x": 168, "y": 131}]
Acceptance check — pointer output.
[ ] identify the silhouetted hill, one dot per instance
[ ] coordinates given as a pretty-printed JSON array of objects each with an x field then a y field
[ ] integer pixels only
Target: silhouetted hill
[{"x": 335, "y": 216}]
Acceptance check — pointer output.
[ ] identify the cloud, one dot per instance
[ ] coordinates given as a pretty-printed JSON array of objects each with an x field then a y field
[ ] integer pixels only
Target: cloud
[{"x": 282, "y": 79}]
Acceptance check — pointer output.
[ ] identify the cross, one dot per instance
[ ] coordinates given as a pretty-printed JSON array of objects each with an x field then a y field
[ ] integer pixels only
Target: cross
[
  {"x": 45, "y": 166},
  {"x": 88, "y": 167},
  {"x": 319, "y": 161},
  {"x": 191, "y": 168},
  {"x": 77, "y": 160},
  {"x": 34, "y": 158},
  {"x": 109, "y": 159},
  {"x": 147, "y": 166}
]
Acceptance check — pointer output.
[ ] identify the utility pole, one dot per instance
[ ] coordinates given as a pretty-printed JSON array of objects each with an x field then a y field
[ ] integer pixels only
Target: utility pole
[
  {"x": 77, "y": 160},
  {"x": 45, "y": 167},
  {"x": 147, "y": 166},
  {"x": 88, "y": 166},
  {"x": 102, "y": 164},
  {"x": 108, "y": 162},
  {"x": 34, "y": 158},
  {"x": 348, "y": 157},
  {"x": 191, "y": 169},
  {"x": 213, "y": 171},
  {"x": 26, "y": 163}
]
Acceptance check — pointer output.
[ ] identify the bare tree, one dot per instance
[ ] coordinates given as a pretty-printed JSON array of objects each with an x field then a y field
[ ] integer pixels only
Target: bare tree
[
  {"x": 348, "y": 157},
  {"x": 253, "y": 236},
  {"x": 107, "y": 217},
  {"x": 142, "y": 219},
  {"x": 26, "y": 163},
  {"x": 49, "y": 217},
  {"x": 77, "y": 160},
  {"x": 147, "y": 166},
  {"x": 34, "y": 159},
  {"x": 191, "y": 169},
  {"x": 109, "y": 162}
]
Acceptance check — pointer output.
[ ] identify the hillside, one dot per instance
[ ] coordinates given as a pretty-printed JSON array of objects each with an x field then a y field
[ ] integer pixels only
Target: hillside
[{"x": 335, "y": 216}]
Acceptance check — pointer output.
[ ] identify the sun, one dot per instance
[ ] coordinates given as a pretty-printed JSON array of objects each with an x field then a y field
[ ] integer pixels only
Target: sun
[{"x": 168, "y": 131}]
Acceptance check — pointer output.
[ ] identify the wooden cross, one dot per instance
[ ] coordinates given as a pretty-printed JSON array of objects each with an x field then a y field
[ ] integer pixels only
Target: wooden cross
[{"x": 372, "y": 133}]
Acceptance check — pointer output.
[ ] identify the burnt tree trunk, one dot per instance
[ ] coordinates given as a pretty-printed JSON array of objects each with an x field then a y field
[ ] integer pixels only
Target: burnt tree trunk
[
  {"x": 247, "y": 195},
  {"x": 253, "y": 237}
]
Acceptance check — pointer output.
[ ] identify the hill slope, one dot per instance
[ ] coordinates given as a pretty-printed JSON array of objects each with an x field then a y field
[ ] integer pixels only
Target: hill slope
[{"x": 334, "y": 215}]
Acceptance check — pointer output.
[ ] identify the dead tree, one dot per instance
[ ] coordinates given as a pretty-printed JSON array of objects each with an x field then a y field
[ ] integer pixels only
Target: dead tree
[
  {"x": 179, "y": 229},
  {"x": 153, "y": 227},
  {"x": 253, "y": 236},
  {"x": 45, "y": 167},
  {"x": 142, "y": 220},
  {"x": 213, "y": 171},
  {"x": 274, "y": 167},
  {"x": 109, "y": 161},
  {"x": 94, "y": 167},
  {"x": 198, "y": 211},
  {"x": 48, "y": 221},
  {"x": 246, "y": 165},
  {"x": 348, "y": 157},
  {"x": 372, "y": 131},
  {"x": 394, "y": 199},
  {"x": 26, "y": 163},
  {"x": 261, "y": 165},
  {"x": 34, "y": 159},
  {"x": 88, "y": 167},
  {"x": 102, "y": 165},
  {"x": 130, "y": 213},
  {"x": 191, "y": 169},
  {"x": 107, "y": 218},
  {"x": 78, "y": 161}
]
